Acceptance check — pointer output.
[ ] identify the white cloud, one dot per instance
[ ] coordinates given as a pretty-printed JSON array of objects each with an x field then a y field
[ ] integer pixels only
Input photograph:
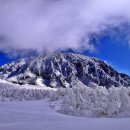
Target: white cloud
[{"x": 57, "y": 24}]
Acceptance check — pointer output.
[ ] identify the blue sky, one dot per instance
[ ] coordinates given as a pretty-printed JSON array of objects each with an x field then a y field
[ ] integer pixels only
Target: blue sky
[
  {"x": 4, "y": 59},
  {"x": 114, "y": 52}
]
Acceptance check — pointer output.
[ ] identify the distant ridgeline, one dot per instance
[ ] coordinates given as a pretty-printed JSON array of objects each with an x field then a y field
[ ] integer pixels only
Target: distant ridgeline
[{"x": 63, "y": 70}]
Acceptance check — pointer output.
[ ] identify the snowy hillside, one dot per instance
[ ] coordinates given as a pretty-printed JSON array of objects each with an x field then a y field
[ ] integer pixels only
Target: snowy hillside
[
  {"x": 62, "y": 70},
  {"x": 63, "y": 91},
  {"x": 77, "y": 101}
]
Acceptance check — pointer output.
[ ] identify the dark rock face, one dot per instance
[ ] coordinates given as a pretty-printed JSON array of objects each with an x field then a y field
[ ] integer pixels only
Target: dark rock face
[{"x": 62, "y": 70}]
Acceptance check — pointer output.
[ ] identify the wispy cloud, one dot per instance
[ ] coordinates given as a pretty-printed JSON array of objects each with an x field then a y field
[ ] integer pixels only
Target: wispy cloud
[{"x": 57, "y": 24}]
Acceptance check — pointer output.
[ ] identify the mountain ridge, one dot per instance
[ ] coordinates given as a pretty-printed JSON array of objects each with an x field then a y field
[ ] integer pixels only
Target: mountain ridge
[{"x": 63, "y": 70}]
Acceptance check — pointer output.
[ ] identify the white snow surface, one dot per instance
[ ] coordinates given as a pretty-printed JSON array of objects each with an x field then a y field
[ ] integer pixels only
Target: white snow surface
[
  {"x": 38, "y": 115},
  {"x": 41, "y": 108}
]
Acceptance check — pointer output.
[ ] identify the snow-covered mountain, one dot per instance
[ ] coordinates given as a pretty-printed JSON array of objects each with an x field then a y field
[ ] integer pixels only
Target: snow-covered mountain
[{"x": 62, "y": 70}]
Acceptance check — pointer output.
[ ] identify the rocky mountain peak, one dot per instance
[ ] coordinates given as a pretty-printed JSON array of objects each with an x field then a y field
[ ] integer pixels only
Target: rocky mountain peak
[{"x": 63, "y": 70}]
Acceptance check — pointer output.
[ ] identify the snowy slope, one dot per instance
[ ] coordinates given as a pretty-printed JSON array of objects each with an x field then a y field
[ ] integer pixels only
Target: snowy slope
[
  {"x": 37, "y": 115},
  {"x": 62, "y": 70}
]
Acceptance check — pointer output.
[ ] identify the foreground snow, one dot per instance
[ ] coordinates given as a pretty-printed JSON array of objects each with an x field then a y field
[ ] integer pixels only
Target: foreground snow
[
  {"x": 39, "y": 108},
  {"x": 38, "y": 115}
]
